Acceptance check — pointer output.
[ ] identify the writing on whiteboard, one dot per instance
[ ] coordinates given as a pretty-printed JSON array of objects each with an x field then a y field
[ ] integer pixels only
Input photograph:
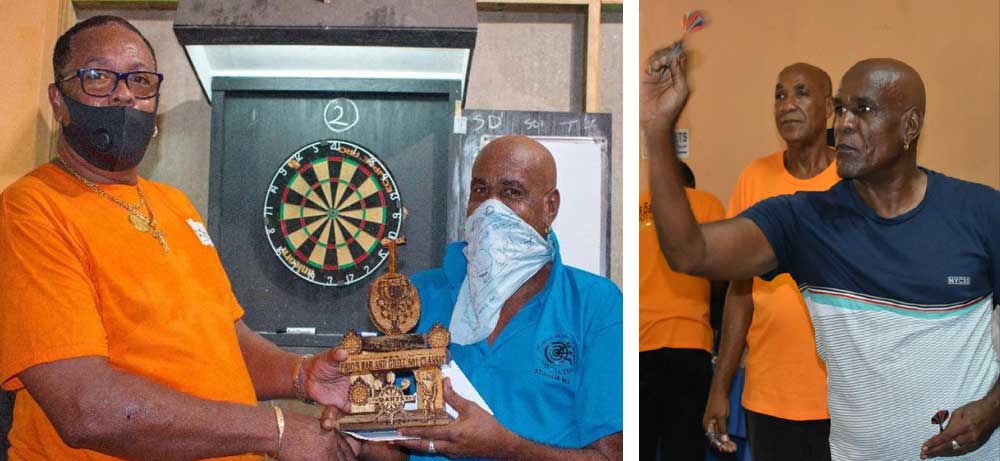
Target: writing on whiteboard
[
  {"x": 559, "y": 125},
  {"x": 490, "y": 122}
]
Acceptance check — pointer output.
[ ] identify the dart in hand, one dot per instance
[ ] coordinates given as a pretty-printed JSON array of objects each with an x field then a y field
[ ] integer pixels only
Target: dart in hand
[
  {"x": 939, "y": 418},
  {"x": 692, "y": 22}
]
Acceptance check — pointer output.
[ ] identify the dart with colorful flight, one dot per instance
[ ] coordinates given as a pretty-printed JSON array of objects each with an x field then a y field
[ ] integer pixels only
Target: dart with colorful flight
[{"x": 692, "y": 22}]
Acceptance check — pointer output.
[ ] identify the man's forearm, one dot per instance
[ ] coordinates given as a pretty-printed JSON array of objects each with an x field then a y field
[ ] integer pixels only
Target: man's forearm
[
  {"x": 96, "y": 407},
  {"x": 679, "y": 235},
  {"x": 607, "y": 448},
  {"x": 736, "y": 319},
  {"x": 271, "y": 369}
]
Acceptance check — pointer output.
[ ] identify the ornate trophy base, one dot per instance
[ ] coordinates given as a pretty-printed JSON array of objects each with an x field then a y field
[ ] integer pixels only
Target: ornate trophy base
[
  {"x": 381, "y": 401},
  {"x": 407, "y": 418}
]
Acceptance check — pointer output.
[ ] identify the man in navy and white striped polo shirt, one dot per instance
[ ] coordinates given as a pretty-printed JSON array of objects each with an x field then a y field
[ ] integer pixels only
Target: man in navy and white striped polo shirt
[{"x": 899, "y": 266}]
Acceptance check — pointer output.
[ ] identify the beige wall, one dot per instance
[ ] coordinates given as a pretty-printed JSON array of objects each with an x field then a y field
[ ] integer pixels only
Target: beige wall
[
  {"x": 734, "y": 62},
  {"x": 30, "y": 28}
]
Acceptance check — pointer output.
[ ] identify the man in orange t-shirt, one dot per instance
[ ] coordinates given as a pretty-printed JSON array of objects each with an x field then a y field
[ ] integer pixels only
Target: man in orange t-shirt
[
  {"x": 119, "y": 331},
  {"x": 675, "y": 340},
  {"x": 785, "y": 389}
]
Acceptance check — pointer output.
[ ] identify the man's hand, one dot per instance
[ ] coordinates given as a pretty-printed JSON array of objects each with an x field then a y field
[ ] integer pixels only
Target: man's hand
[
  {"x": 970, "y": 427},
  {"x": 328, "y": 421},
  {"x": 476, "y": 433},
  {"x": 716, "y": 415},
  {"x": 663, "y": 91},
  {"x": 323, "y": 381},
  {"x": 365, "y": 450},
  {"x": 305, "y": 440}
]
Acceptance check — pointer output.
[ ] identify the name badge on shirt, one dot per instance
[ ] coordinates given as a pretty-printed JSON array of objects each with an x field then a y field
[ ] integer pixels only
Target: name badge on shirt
[{"x": 201, "y": 232}]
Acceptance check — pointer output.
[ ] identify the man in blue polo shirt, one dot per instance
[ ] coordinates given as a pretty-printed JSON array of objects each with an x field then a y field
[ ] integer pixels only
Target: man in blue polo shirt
[
  {"x": 540, "y": 341},
  {"x": 899, "y": 267}
]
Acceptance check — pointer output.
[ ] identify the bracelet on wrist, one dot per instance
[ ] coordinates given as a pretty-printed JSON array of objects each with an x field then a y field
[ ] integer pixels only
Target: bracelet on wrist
[
  {"x": 279, "y": 419},
  {"x": 298, "y": 380}
]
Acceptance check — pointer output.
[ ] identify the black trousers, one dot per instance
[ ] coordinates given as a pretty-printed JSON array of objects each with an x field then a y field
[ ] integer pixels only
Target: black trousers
[
  {"x": 777, "y": 439},
  {"x": 673, "y": 391}
]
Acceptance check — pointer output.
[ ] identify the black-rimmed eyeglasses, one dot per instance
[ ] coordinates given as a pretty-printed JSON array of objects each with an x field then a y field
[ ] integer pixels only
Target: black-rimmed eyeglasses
[{"x": 103, "y": 82}]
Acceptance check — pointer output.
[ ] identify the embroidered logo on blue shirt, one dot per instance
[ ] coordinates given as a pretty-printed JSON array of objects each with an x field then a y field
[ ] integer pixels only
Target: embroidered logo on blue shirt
[
  {"x": 959, "y": 280},
  {"x": 556, "y": 358}
]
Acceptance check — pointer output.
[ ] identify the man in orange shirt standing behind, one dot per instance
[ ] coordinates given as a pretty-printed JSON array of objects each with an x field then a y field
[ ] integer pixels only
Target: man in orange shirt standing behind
[
  {"x": 785, "y": 390},
  {"x": 675, "y": 340}
]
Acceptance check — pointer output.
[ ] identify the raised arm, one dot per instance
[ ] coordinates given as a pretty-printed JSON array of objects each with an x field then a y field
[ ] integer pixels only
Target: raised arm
[{"x": 733, "y": 249}]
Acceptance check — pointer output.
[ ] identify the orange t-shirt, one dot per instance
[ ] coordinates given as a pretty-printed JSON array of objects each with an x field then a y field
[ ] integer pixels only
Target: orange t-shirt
[
  {"x": 673, "y": 307},
  {"x": 785, "y": 377},
  {"x": 79, "y": 280}
]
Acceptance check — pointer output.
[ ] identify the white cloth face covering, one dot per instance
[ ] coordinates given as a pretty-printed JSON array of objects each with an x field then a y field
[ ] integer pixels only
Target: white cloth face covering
[{"x": 503, "y": 252}]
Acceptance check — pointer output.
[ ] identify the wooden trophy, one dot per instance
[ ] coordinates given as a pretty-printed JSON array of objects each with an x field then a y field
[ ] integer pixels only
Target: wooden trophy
[{"x": 377, "y": 401}]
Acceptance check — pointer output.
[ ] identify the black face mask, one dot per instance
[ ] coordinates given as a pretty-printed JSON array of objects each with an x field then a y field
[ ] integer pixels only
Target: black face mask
[{"x": 112, "y": 138}]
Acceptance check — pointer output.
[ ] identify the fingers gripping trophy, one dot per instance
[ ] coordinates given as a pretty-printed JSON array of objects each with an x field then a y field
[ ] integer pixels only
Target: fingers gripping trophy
[{"x": 380, "y": 397}]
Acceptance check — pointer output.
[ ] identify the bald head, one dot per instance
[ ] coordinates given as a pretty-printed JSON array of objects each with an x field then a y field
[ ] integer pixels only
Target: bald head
[
  {"x": 802, "y": 104},
  {"x": 814, "y": 74},
  {"x": 521, "y": 173},
  {"x": 899, "y": 83},
  {"x": 520, "y": 150},
  {"x": 880, "y": 112}
]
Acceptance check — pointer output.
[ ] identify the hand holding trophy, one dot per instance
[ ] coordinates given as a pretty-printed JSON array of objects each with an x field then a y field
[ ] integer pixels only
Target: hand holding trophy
[{"x": 378, "y": 393}]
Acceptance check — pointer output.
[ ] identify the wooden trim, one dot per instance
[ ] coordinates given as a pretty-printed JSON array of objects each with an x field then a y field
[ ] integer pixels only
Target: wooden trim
[
  {"x": 65, "y": 17},
  {"x": 593, "y": 84},
  {"x": 125, "y": 4},
  {"x": 553, "y": 2},
  {"x": 172, "y": 4}
]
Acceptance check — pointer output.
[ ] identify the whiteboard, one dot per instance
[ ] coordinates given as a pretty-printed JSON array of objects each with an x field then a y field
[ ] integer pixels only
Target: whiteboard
[{"x": 579, "y": 225}]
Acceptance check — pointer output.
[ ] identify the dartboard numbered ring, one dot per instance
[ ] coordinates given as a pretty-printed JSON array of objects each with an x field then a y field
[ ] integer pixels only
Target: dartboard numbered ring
[{"x": 327, "y": 209}]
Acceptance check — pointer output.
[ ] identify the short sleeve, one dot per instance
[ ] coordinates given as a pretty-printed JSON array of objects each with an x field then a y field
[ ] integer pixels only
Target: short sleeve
[
  {"x": 48, "y": 305},
  {"x": 599, "y": 394},
  {"x": 776, "y": 218}
]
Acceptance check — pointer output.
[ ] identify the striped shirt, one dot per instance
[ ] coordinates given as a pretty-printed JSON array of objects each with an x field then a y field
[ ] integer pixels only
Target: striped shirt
[{"x": 901, "y": 307}]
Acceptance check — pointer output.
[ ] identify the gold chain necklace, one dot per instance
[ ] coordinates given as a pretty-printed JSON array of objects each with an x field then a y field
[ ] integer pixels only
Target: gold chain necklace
[{"x": 138, "y": 220}]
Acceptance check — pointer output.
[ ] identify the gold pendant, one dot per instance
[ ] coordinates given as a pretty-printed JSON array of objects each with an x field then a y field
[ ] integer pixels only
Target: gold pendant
[
  {"x": 138, "y": 222},
  {"x": 163, "y": 241}
]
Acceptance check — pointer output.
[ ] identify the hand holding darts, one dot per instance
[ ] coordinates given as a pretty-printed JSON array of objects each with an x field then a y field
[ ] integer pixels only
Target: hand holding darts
[{"x": 692, "y": 22}]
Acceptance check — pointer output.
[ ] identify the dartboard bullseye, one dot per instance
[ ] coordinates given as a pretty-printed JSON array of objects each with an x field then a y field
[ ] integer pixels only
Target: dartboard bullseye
[{"x": 327, "y": 210}]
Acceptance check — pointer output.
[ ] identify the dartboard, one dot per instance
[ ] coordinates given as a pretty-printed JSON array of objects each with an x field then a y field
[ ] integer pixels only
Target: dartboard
[{"x": 328, "y": 208}]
